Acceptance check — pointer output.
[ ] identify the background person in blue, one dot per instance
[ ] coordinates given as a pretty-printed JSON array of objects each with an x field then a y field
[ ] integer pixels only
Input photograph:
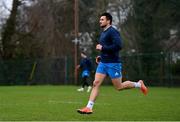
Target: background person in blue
[
  {"x": 110, "y": 64},
  {"x": 86, "y": 66}
]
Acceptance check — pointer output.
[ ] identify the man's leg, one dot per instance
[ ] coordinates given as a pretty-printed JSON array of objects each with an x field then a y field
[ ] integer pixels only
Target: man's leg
[
  {"x": 85, "y": 82},
  {"x": 94, "y": 93},
  {"x": 96, "y": 84},
  {"x": 89, "y": 87},
  {"x": 117, "y": 82}
]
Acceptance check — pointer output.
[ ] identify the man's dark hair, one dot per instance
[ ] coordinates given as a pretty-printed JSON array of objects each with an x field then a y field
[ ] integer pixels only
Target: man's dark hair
[{"x": 108, "y": 16}]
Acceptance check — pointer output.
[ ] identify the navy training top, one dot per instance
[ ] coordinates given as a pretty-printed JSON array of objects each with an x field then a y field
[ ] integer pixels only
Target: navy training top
[
  {"x": 110, "y": 40},
  {"x": 85, "y": 64}
]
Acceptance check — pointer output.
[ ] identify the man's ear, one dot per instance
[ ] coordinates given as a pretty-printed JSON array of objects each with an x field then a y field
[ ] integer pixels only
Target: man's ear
[{"x": 108, "y": 22}]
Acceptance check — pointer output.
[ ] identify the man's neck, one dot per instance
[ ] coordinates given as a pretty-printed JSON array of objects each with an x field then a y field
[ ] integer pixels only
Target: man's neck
[{"x": 105, "y": 28}]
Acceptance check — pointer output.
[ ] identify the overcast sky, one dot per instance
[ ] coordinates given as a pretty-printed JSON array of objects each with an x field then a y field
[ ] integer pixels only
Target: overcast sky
[{"x": 5, "y": 6}]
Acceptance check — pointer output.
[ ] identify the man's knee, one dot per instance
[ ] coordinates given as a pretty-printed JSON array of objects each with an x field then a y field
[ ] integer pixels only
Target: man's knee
[
  {"x": 96, "y": 83},
  {"x": 119, "y": 87}
]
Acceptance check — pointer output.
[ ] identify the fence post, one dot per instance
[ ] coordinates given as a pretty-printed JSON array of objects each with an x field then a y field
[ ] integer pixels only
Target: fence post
[{"x": 65, "y": 69}]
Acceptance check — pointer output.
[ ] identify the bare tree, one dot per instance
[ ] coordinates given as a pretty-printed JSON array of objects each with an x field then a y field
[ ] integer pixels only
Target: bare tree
[{"x": 8, "y": 31}]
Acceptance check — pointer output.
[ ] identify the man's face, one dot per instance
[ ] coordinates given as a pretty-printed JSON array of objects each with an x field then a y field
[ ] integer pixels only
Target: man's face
[
  {"x": 83, "y": 56},
  {"x": 103, "y": 21}
]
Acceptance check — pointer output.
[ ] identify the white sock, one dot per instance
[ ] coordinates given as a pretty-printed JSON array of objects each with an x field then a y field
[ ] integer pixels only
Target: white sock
[
  {"x": 137, "y": 84},
  {"x": 90, "y": 104}
]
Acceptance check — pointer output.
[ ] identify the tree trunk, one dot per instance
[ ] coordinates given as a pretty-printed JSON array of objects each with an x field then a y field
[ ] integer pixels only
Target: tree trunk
[{"x": 8, "y": 31}]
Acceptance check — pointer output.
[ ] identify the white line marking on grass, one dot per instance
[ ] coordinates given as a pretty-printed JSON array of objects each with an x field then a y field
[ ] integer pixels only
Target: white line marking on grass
[
  {"x": 73, "y": 102},
  {"x": 51, "y": 102},
  {"x": 105, "y": 104},
  {"x": 64, "y": 102}
]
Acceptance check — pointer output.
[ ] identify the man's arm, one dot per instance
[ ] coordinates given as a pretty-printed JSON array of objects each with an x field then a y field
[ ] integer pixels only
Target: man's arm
[
  {"x": 77, "y": 67},
  {"x": 98, "y": 59},
  {"x": 117, "y": 44}
]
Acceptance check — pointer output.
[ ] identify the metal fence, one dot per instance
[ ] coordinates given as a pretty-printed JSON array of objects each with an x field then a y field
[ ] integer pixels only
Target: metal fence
[
  {"x": 157, "y": 69},
  {"x": 37, "y": 71}
]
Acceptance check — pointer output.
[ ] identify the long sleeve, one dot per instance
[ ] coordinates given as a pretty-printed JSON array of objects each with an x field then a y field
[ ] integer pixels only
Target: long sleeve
[{"x": 116, "y": 43}]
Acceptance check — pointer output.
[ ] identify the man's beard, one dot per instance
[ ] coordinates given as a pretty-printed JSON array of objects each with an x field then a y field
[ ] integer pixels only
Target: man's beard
[{"x": 103, "y": 26}]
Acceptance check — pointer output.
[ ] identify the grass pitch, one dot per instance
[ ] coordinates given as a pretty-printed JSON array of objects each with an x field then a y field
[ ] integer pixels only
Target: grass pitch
[{"x": 59, "y": 103}]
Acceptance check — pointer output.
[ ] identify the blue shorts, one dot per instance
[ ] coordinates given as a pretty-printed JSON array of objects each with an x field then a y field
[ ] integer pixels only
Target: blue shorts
[
  {"x": 113, "y": 70},
  {"x": 85, "y": 73}
]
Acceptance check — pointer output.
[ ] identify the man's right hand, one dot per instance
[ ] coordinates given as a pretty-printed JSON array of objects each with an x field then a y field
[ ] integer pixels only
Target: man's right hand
[
  {"x": 77, "y": 67},
  {"x": 99, "y": 47},
  {"x": 98, "y": 59}
]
